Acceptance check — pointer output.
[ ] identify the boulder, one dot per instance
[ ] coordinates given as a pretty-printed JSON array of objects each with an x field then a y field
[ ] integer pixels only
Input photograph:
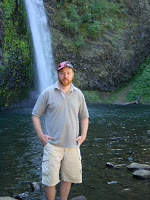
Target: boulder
[
  {"x": 21, "y": 196},
  {"x": 135, "y": 166},
  {"x": 35, "y": 186},
  {"x": 79, "y": 198},
  {"x": 142, "y": 174},
  {"x": 75, "y": 198},
  {"x": 112, "y": 165},
  {"x": 148, "y": 132},
  {"x": 6, "y": 198},
  {"x": 57, "y": 198}
]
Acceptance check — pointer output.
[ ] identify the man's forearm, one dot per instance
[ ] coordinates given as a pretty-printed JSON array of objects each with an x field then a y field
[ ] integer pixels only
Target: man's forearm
[
  {"x": 84, "y": 127},
  {"x": 37, "y": 126}
]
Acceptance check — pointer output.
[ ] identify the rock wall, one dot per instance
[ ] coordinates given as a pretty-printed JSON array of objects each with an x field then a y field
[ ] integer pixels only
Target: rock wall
[
  {"x": 16, "y": 70},
  {"x": 109, "y": 61},
  {"x": 1, "y": 34}
]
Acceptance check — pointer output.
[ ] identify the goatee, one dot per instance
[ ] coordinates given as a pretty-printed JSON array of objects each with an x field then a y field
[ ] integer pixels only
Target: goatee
[{"x": 65, "y": 82}]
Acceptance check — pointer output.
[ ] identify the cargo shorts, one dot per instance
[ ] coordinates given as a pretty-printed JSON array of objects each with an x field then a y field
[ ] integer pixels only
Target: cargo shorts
[{"x": 60, "y": 160}]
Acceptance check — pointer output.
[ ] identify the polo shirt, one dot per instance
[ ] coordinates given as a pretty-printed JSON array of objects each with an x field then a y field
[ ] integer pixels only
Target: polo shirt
[{"x": 61, "y": 114}]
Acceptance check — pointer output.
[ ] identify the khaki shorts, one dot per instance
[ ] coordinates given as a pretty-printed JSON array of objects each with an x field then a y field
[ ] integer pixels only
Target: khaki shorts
[{"x": 66, "y": 159}]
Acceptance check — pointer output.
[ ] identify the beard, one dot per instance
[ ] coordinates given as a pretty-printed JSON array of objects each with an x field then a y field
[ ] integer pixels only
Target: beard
[{"x": 65, "y": 82}]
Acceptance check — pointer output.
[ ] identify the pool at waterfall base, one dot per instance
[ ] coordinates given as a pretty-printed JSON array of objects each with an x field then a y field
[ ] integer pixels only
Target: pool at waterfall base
[{"x": 117, "y": 134}]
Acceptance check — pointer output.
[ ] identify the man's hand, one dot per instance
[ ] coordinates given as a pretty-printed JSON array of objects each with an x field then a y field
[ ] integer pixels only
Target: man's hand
[
  {"x": 44, "y": 139},
  {"x": 37, "y": 125},
  {"x": 80, "y": 139},
  {"x": 84, "y": 127}
]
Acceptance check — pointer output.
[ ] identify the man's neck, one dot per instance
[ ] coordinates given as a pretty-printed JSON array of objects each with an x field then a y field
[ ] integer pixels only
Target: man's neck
[{"x": 65, "y": 89}]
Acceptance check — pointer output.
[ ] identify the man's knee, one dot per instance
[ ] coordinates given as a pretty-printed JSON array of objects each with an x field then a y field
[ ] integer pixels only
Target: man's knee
[{"x": 49, "y": 187}]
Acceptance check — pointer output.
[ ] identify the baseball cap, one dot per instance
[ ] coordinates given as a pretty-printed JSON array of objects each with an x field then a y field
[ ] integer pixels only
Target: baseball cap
[{"x": 65, "y": 64}]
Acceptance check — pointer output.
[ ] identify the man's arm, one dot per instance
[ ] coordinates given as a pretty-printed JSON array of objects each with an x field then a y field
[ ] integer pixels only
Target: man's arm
[
  {"x": 38, "y": 128},
  {"x": 84, "y": 127}
]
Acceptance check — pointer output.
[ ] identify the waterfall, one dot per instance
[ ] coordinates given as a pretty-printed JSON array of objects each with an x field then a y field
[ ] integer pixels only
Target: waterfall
[{"x": 42, "y": 43}]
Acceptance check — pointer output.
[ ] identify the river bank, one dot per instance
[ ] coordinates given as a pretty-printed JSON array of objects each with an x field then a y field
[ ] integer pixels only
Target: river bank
[
  {"x": 116, "y": 98},
  {"x": 91, "y": 97}
]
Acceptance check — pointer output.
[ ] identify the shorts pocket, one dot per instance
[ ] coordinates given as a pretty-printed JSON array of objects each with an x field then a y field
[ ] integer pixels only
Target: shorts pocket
[{"x": 45, "y": 167}]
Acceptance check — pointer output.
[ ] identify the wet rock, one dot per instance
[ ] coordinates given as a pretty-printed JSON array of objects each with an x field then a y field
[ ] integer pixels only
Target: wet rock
[
  {"x": 75, "y": 198},
  {"x": 134, "y": 166},
  {"x": 79, "y": 198},
  {"x": 148, "y": 132},
  {"x": 112, "y": 182},
  {"x": 35, "y": 186},
  {"x": 57, "y": 198},
  {"x": 130, "y": 158},
  {"x": 142, "y": 174},
  {"x": 7, "y": 198},
  {"x": 21, "y": 196},
  {"x": 111, "y": 165}
]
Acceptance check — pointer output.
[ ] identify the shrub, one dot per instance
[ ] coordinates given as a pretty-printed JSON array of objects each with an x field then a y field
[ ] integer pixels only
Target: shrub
[
  {"x": 88, "y": 18},
  {"x": 141, "y": 86}
]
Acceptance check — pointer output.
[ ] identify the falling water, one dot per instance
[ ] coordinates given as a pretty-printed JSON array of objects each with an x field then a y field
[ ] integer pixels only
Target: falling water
[{"x": 41, "y": 42}]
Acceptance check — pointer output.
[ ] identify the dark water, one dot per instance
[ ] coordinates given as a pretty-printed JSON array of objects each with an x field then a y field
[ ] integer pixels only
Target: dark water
[{"x": 118, "y": 134}]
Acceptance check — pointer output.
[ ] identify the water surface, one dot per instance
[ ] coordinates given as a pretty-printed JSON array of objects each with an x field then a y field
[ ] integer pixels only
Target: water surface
[{"x": 117, "y": 134}]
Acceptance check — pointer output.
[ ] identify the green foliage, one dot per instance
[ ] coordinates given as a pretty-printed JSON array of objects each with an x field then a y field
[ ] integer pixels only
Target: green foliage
[
  {"x": 89, "y": 19},
  {"x": 91, "y": 97},
  {"x": 141, "y": 86},
  {"x": 79, "y": 41},
  {"x": 16, "y": 72},
  {"x": 9, "y": 7},
  {"x": 69, "y": 18},
  {"x": 94, "y": 28},
  {"x": 98, "y": 97}
]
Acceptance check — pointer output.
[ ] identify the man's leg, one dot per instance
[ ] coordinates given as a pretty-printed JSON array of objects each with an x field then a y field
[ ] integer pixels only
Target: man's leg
[
  {"x": 50, "y": 192},
  {"x": 64, "y": 190}
]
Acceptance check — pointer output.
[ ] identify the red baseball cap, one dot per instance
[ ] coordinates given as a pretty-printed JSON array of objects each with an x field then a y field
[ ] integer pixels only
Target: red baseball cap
[{"x": 65, "y": 64}]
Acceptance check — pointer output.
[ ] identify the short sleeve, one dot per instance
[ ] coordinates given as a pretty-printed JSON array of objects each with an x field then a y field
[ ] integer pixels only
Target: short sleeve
[
  {"x": 41, "y": 104},
  {"x": 83, "y": 111}
]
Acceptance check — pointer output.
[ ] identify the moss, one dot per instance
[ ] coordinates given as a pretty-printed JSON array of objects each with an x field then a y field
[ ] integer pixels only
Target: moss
[
  {"x": 17, "y": 70},
  {"x": 64, "y": 42},
  {"x": 141, "y": 86},
  {"x": 98, "y": 97},
  {"x": 91, "y": 97}
]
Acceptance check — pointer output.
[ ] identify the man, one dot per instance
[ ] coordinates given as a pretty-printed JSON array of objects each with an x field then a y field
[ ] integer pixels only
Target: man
[{"x": 63, "y": 104}]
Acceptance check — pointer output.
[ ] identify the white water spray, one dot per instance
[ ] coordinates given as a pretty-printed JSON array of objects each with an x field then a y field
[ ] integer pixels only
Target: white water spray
[{"x": 41, "y": 42}]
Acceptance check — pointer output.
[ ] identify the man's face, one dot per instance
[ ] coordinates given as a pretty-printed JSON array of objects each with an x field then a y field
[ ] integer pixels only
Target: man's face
[{"x": 65, "y": 76}]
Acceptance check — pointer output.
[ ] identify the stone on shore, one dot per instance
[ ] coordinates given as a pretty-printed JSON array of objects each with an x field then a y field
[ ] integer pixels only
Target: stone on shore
[
  {"x": 35, "y": 186},
  {"x": 7, "y": 198},
  {"x": 142, "y": 174},
  {"x": 79, "y": 198},
  {"x": 75, "y": 198},
  {"x": 135, "y": 166},
  {"x": 114, "y": 166}
]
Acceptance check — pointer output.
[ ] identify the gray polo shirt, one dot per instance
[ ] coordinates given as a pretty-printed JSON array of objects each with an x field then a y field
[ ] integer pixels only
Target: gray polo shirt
[{"x": 62, "y": 114}]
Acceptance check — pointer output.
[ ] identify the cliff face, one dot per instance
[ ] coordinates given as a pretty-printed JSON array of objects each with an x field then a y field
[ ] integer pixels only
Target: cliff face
[
  {"x": 104, "y": 59},
  {"x": 16, "y": 70},
  {"x": 1, "y": 34},
  {"x": 112, "y": 57}
]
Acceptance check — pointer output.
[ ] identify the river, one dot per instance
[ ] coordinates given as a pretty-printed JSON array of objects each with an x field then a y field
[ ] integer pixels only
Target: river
[{"x": 117, "y": 134}]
